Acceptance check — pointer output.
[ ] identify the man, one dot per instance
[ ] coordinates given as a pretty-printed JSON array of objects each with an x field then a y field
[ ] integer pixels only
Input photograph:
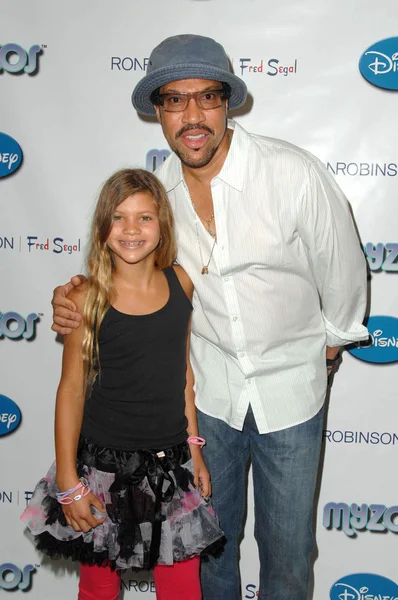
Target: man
[{"x": 280, "y": 284}]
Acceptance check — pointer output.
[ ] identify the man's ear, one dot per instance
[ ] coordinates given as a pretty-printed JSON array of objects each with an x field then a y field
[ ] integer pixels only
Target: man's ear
[{"x": 157, "y": 111}]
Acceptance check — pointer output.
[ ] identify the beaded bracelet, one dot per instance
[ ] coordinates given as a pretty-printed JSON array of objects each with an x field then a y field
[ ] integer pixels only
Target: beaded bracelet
[
  {"x": 197, "y": 441},
  {"x": 63, "y": 497}
]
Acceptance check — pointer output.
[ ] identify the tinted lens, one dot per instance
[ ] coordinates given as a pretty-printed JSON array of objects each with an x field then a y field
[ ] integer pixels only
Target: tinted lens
[
  {"x": 174, "y": 102},
  {"x": 209, "y": 99},
  {"x": 179, "y": 102}
]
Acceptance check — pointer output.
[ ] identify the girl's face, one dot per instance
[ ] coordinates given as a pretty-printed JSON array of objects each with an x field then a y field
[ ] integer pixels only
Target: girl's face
[{"x": 135, "y": 232}]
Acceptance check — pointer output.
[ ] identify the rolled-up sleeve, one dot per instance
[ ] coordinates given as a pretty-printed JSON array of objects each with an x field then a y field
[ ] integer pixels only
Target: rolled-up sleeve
[{"x": 336, "y": 257}]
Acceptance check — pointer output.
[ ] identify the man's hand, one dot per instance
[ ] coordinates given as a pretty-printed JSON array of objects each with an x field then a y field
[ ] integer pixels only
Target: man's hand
[
  {"x": 332, "y": 354},
  {"x": 64, "y": 311}
]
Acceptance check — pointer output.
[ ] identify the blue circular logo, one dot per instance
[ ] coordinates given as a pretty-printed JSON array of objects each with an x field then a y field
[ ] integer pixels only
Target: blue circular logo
[
  {"x": 10, "y": 155},
  {"x": 10, "y": 415},
  {"x": 379, "y": 64},
  {"x": 382, "y": 345},
  {"x": 364, "y": 585}
]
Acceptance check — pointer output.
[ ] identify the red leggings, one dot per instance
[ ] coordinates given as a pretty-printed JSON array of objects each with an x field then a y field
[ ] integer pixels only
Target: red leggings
[{"x": 177, "y": 582}]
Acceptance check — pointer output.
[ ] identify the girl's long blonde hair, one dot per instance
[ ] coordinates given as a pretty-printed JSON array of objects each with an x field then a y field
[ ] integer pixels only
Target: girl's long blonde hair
[{"x": 100, "y": 262}]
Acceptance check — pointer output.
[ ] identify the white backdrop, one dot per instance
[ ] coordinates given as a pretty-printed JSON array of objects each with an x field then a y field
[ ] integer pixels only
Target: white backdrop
[{"x": 75, "y": 124}]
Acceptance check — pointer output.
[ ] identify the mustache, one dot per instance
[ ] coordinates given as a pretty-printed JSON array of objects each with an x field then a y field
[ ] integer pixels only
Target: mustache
[{"x": 192, "y": 127}]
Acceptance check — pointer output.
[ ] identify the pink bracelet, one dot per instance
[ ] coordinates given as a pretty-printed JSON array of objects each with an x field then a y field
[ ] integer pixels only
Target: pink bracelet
[
  {"x": 63, "y": 497},
  {"x": 197, "y": 441}
]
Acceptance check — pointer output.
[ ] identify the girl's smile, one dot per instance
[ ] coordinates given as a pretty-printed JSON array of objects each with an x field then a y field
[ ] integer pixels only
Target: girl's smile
[{"x": 135, "y": 232}]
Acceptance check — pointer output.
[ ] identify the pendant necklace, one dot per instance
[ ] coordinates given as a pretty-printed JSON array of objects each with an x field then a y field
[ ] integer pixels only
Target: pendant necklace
[
  {"x": 205, "y": 267},
  {"x": 207, "y": 221}
]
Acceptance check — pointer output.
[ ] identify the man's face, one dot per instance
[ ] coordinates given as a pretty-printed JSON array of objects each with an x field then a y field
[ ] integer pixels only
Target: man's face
[{"x": 194, "y": 134}]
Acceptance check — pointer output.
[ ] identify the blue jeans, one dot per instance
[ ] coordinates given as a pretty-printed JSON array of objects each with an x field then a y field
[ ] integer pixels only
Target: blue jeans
[{"x": 285, "y": 465}]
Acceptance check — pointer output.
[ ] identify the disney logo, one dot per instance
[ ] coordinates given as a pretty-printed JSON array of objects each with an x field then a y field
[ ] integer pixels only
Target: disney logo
[
  {"x": 352, "y": 593},
  {"x": 382, "y": 344},
  {"x": 375, "y": 339},
  {"x": 382, "y": 64},
  {"x": 378, "y": 59}
]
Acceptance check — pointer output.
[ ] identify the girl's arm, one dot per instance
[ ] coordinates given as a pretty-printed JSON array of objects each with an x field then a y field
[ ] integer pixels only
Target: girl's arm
[
  {"x": 201, "y": 474},
  {"x": 70, "y": 403},
  {"x": 68, "y": 421}
]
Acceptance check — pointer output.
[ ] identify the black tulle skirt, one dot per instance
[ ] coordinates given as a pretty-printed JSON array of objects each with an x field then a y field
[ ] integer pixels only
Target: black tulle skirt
[{"x": 154, "y": 513}]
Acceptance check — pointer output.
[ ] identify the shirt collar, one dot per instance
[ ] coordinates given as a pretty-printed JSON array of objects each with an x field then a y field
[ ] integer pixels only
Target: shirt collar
[{"x": 232, "y": 172}]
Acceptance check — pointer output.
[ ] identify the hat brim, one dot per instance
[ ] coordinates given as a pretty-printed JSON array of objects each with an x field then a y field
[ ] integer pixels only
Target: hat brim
[{"x": 148, "y": 84}]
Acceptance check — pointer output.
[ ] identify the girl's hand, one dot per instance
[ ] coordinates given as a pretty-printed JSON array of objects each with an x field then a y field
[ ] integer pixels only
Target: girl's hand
[
  {"x": 201, "y": 474},
  {"x": 79, "y": 516}
]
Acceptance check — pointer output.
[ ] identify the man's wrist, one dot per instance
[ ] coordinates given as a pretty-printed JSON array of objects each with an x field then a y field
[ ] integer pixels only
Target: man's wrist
[
  {"x": 333, "y": 352},
  {"x": 331, "y": 362}
]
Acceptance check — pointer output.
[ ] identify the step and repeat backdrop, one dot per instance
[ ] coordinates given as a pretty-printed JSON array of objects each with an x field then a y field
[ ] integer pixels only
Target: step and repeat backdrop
[{"x": 321, "y": 74}]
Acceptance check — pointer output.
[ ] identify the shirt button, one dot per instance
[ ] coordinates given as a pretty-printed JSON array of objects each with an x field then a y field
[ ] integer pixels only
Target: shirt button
[
  {"x": 249, "y": 382},
  {"x": 226, "y": 278},
  {"x": 241, "y": 354},
  {"x": 234, "y": 318}
]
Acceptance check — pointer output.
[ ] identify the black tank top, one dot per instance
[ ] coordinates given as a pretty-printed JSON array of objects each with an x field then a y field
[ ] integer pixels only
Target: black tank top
[{"x": 138, "y": 399}]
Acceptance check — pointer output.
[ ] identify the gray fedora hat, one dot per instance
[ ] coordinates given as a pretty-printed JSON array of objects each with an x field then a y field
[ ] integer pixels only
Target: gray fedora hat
[{"x": 186, "y": 57}]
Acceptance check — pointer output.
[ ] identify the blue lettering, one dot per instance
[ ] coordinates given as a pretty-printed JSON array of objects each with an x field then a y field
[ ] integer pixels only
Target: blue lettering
[
  {"x": 337, "y": 436},
  {"x": 362, "y": 437},
  {"x": 26, "y": 329},
  {"x": 20, "y": 579},
  {"x": 34, "y": 52},
  {"x": 391, "y": 262},
  {"x": 375, "y": 518},
  {"x": 382, "y": 169},
  {"x": 388, "y": 519},
  {"x": 155, "y": 158},
  {"x": 115, "y": 62},
  {"x": 359, "y": 516},
  {"x": 4, "y": 496},
  {"x": 4, "y": 242},
  {"x": 137, "y": 63},
  {"x": 129, "y": 62},
  {"x": 377, "y": 511},
  {"x": 27, "y": 61},
  {"x": 330, "y": 168},
  {"x": 326, "y": 434},
  {"x": 272, "y": 63},
  {"x": 374, "y": 255},
  {"x": 251, "y": 589},
  {"x": 243, "y": 66},
  {"x": 30, "y": 242},
  {"x": 337, "y": 515},
  {"x": 28, "y": 496},
  {"x": 139, "y": 586},
  {"x": 58, "y": 244}
]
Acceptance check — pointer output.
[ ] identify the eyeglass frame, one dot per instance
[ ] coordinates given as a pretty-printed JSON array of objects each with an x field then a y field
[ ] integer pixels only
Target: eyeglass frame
[{"x": 189, "y": 95}]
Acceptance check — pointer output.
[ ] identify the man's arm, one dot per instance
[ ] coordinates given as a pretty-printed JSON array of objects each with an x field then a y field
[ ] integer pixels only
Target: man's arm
[
  {"x": 336, "y": 258},
  {"x": 65, "y": 312}
]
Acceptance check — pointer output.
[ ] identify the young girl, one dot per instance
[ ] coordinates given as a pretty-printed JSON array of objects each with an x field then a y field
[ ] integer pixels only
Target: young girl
[{"x": 126, "y": 489}]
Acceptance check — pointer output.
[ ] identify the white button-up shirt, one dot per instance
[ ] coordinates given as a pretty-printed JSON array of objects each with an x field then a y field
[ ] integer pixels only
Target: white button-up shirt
[{"x": 287, "y": 276}]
